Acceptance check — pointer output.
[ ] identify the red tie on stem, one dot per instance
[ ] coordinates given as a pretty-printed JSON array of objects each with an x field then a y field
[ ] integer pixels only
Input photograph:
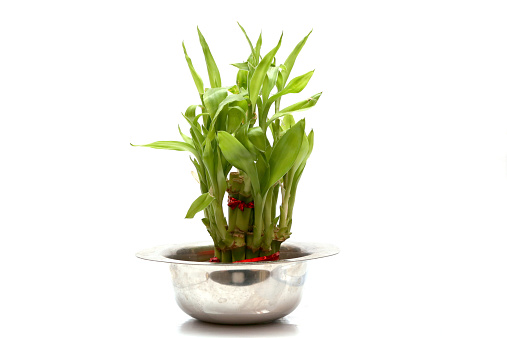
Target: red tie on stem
[
  {"x": 273, "y": 257},
  {"x": 233, "y": 203}
]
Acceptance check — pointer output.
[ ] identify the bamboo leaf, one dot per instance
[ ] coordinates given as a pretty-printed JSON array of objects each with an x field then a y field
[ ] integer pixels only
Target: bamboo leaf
[
  {"x": 234, "y": 151},
  {"x": 289, "y": 62},
  {"x": 170, "y": 145},
  {"x": 248, "y": 39},
  {"x": 190, "y": 112},
  {"x": 212, "y": 98},
  {"x": 235, "y": 117},
  {"x": 213, "y": 73},
  {"x": 242, "y": 79},
  {"x": 197, "y": 79},
  {"x": 296, "y": 85},
  {"x": 242, "y": 66},
  {"x": 284, "y": 153},
  {"x": 260, "y": 73},
  {"x": 258, "y": 138},
  {"x": 288, "y": 122},
  {"x": 258, "y": 45},
  {"x": 262, "y": 167},
  {"x": 236, "y": 154},
  {"x": 303, "y": 151},
  {"x": 301, "y": 168},
  {"x": 199, "y": 204},
  {"x": 201, "y": 173},
  {"x": 296, "y": 107},
  {"x": 209, "y": 162},
  {"x": 185, "y": 137},
  {"x": 242, "y": 137},
  {"x": 229, "y": 99},
  {"x": 280, "y": 81},
  {"x": 269, "y": 83},
  {"x": 195, "y": 130},
  {"x": 221, "y": 183},
  {"x": 234, "y": 89}
]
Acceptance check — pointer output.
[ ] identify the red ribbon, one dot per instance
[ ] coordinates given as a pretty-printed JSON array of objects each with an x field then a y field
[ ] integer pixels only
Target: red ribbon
[
  {"x": 273, "y": 257},
  {"x": 233, "y": 203}
]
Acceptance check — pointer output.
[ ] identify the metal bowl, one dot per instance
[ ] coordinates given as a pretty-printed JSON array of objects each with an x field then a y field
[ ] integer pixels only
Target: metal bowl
[{"x": 237, "y": 293}]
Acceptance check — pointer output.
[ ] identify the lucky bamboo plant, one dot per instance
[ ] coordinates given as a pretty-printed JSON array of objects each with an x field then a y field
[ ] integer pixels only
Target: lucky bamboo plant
[{"x": 231, "y": 131}]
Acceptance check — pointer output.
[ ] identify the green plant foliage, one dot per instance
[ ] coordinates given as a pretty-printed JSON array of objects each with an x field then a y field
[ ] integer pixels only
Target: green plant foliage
[
  {"x": 231, "y": 133},
  {"x": 201, "y": 203},
  {"x": 197, "y": 79}
]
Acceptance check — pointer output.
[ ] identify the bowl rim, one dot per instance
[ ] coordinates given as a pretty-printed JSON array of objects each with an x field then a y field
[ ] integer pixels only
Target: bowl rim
[{"x": 159, "y": 253}]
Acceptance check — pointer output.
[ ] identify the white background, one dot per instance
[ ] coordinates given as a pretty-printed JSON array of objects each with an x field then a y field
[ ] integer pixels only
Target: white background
[{"x": 408, "y": 174}]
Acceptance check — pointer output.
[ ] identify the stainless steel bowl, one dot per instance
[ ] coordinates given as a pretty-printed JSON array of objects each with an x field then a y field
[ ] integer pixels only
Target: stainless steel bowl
[{"x": 237, "y": 293}]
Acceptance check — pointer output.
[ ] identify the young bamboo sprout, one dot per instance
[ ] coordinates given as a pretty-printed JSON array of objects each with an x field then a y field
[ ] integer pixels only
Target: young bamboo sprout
[{"x": 231, "y": 134}]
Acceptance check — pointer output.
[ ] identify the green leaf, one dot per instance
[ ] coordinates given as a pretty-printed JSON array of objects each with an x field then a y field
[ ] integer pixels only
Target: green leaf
[
  {"x": 300, "y": 169},
  {"x": 310, "y": 143},
  {"x": 289, "y": 62},
  {"x": 208, "y": 159},
  {"x": 213, "y": 73},
  {"x": 280, "y": 82},
  {"x": 260, "y": 73},
  {"x": 305, "y": 104},
  {"x": 212, "y": 98},
  {"x": 234, "y": 89},
  {"x": 269, "y": 83},
  {"x": 296, "y": 85},
  {"x": 221, "y": 183},
  {"x": 288, "y": 121},
  {"x": 243, "y": 65},
  {"x": 185, "y": 137},
  {"x": 262, "y": 167},
  {"x": 258, "y": 138},
  {"x": 197, "y": 79},
  {"x": 199, "y": 204},
  {"x": 201, "y": 173},
  {"x": 170, "y": 145},
  {"x": 227, "y": 100},
  {"x": 234, "y": 151},
  {"x": 236, "y": 154},
  {"x": 296, "y": 107},
  {"x": 242, "y": 79},
  {"x": 242, "y": 137},
  {"x": 303, "y": 151},
  {"x": 248, "y": 39},
  {"x": 258, "y": 49},
  {"x": 190, "y": 112},
  {"x": 284, "y": 154},
  {"x": 235, "y": 117},
  {"x": 195, "y": 129}
]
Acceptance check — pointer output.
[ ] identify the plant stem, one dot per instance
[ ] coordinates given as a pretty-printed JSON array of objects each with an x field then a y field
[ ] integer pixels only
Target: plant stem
[
  {"x": 287, "y": 184},
  {"x": 259, "y": 221},
  {"x": 218, "y": 253},
  {"x": 275, "y": 246},
  {"x": 222, "y": 224},
  {"x": 268, "y": 222},
  {"x": 238, "y": 251},
  {"x": 226, "y": 256}
]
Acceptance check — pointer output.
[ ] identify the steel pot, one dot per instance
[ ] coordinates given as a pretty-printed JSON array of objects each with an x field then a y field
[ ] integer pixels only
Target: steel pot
[{"x": 237, "y": 293}]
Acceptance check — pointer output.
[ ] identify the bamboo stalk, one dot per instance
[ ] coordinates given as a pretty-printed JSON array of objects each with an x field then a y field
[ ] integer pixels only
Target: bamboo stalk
[
  {"x": 226, "y": 256},
  {"x": 250, "y": 253},
  {"x": 239, "y": 249}
]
